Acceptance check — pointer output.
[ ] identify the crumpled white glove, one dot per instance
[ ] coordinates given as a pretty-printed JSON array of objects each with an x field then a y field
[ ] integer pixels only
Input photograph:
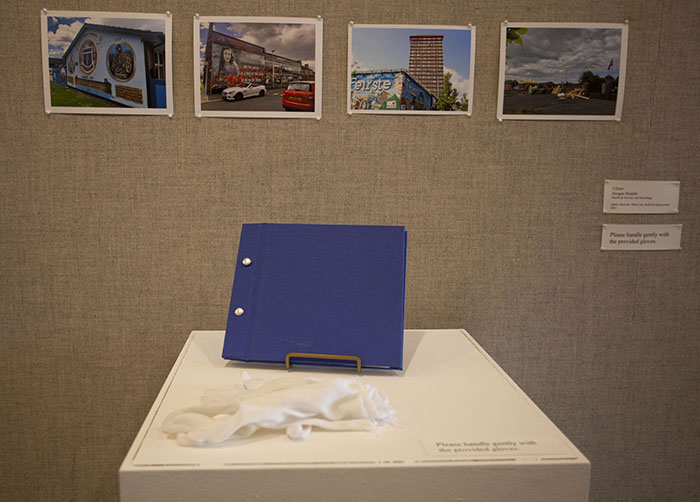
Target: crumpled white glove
[{"x": 294, "y": 403}]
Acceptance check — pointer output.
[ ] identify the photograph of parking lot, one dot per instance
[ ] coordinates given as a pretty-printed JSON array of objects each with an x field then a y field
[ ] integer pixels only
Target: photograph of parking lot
[
  {"x": 562, "y": 72},
  {"x": 258, "y": 67}
]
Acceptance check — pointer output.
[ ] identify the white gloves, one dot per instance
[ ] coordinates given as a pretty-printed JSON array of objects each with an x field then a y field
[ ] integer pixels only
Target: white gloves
[{"x": 294, "y": 403}]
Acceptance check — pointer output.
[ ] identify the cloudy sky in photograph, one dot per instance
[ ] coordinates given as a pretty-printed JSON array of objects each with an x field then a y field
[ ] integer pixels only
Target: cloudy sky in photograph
[
  {"x": 388, "y": 48},
  {"x": 293, "y": 41},
  {"x": 62, "y": 30},
  {"x": 563, "y": 54}
]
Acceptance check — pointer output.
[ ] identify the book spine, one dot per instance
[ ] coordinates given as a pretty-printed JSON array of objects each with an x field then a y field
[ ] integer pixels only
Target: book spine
[
  {"x": 241, "y": 314},
  {"x": 256, "y": 257}
]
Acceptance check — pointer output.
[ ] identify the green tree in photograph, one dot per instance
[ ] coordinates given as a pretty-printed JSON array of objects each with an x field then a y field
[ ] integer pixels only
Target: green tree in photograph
[
  {"x": 447, "y": 101},
  {"x": 463, "y": 103},
  {"x": 514, "y": 35},
  {"x": 593, "y": 82},
  {"x": 588, "y": 76}
]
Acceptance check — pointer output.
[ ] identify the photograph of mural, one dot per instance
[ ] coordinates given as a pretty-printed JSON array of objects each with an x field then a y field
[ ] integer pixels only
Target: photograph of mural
[
  {"x": 257, "y": 67},
  {"x": 562, "y": 71},
  {"x": 107, "y": 62},
  {"x": 410, "y": 69}
]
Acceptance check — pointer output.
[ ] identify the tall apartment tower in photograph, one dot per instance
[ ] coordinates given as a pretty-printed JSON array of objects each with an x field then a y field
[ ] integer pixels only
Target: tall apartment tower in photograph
[{"x": 425, "y": 63}]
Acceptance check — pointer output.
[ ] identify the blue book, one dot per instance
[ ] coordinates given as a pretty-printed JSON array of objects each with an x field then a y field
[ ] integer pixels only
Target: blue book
[{"x": 319, "y": 289}]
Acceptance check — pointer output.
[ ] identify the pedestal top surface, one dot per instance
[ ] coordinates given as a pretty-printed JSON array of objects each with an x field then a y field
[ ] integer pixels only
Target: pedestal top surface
[{"x": 454, "y": 404}]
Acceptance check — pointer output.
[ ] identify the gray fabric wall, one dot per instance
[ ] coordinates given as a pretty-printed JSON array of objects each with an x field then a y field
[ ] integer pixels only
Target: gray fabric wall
[{"x": 119, "y": 235}]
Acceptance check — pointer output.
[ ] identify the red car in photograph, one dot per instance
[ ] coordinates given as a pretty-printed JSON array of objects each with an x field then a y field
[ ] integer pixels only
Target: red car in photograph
[{"x": 299, "y": 96}]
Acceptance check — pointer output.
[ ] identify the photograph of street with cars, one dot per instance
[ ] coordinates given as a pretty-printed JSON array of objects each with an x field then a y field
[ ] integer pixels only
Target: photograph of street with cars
[
  {"x": 258, "y": 67},
  {"x": 562, "y": 71},
  {"x": 407, "y": 69}
]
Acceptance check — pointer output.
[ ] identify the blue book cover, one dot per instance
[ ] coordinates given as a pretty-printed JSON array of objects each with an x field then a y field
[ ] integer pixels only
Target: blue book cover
[{"x": 321, "y": 289}]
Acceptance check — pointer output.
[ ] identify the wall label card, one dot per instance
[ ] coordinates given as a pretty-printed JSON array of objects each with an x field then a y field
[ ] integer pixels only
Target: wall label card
[
  {"x": 496, "y": 448},
  {"x": 641, "y": 197},
  {"x": 641, "y": 237}
]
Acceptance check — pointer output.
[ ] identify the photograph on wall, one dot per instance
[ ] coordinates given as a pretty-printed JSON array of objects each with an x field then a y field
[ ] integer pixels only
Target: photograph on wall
[
  {"x": 562, "y": 71},
  {"x": 107, "y": 62},
  {"x": 258, "y": 67},
  {"x": 407, "y": 69}
]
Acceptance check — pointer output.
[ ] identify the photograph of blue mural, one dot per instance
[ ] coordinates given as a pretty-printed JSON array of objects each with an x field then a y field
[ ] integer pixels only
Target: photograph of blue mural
[
  {"x": 562, "y": 71},
  {"x": 106, "y": 61},
  {"x": 410, "y": 69},
  {"x": 389, "y": 90}
]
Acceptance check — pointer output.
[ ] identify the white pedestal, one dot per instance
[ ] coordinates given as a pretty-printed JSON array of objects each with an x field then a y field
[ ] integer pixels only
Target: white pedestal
[{"x": 465, "y": 432}]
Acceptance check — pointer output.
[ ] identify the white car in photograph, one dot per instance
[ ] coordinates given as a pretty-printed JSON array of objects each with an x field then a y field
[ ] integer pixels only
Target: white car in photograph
[{"x": 243, "y": 91}]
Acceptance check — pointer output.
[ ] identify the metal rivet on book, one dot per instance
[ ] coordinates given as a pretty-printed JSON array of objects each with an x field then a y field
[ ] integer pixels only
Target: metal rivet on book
[
  {"x": 239, "y": 311},
  {"x": 246, "y": 261}
]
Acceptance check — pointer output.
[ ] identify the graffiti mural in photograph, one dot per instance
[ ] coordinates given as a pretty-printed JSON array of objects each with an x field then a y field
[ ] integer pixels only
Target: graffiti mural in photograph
[{"x": 389, "y": 90}]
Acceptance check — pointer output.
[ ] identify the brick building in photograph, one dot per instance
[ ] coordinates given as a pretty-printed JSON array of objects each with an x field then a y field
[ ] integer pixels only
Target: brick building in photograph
[
  {"x": 426, "y": 62},
  {"x": 230, "y": 61}
]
